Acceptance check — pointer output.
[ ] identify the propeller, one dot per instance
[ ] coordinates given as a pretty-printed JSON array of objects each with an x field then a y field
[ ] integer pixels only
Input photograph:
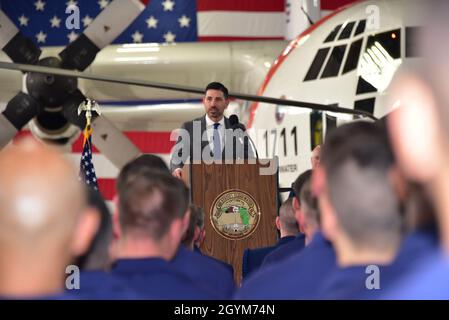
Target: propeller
[
  {"x": 166, "y": 86},
  {"x": 51, "y": 101}
]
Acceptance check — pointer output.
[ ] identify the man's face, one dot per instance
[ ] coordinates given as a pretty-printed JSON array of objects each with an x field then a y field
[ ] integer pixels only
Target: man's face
[{"x": 215, "y": 104}]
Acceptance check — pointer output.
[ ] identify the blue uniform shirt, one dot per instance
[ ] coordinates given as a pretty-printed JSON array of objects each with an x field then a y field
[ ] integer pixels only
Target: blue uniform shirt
[
  {"x": 285, "y": 251},
  {"x": 205, "y": 271},
  {"x": 155, "y": 278},
  {"x": 297, "y": 277},
  {"x": 253, "y": 258},
  {"x": 102, "y": 285}
]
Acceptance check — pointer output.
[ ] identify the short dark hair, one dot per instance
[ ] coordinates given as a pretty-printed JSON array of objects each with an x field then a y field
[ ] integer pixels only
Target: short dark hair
[
  {"x": 196, "y": 219},
  {"x": 309, "y": 203},
  {"x": 299, "y": 183},
  {"x": 357, "y": 158},
  {"x": 97, "y": 256},
  {"x": 149, "y": 161},
  {"x": 218, "y": 86},
  {"x": 150, "y": 202},
  {"x": 287, "y": 217}
]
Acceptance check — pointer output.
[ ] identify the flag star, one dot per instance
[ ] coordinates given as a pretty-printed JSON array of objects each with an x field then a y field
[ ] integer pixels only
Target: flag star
[
  {"x": 87, "y": 20},
  {"x": 94, "y": 179},
  {"x": 55, "y": 22},
  {"x": 168, "y": 5},
  {"x": 39, "y": 4},
  {"x": 103, "y": 4},
  {"x": 72, "y": 36},
  {"x": 184, "y": 21},
  {"x": 169, "y": 37},
  {"x": 152, "y": 22},
  {"x": 23, "y": 20},
  {"x": 41, "y": 37},
  {"x": 71, "y": 3},
  {"x": 137, "y": 37}
]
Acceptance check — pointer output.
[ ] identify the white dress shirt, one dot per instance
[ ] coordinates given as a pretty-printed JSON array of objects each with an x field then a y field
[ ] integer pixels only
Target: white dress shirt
[{"x": 210, "y": 132}]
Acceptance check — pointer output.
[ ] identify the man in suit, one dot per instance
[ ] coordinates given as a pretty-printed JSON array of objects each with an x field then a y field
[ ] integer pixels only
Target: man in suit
[
  {"x": 288, "y": 228},
  {"x": 210, "y": 137}
]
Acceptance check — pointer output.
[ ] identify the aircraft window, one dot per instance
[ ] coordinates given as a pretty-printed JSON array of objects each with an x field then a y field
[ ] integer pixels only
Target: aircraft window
[
  {"x": 334, "y": 62},
  {"x": 317, "y": 63},
  {"x": 346, "y": 33},
  {"x": 353, "y": 56},
  {"x": 365, "y": 105},
  {"x": 333, "y": 34},
  {"x": 364, "y": 86},
  {"x": 411, "y": 33},
  {"x": 360, "y": 27},
  {"x": 390, "y": 41}
]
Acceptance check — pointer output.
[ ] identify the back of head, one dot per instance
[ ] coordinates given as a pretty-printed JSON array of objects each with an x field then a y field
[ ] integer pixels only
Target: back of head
[
  {"x": 40, "y": 198},
  {"x": 97, "y": 256},
  {"x": 149, "y": 161},
  {"x": 357, "y": 160},
  {"x": 150, "y": 202},
  {"x": 218, "y": 86},
  {"x": 309, "y": 204},
  {"x": 196, "y": 220},
  {"x": 299, "y": 182},
  {"x": 287, "y": 218}
]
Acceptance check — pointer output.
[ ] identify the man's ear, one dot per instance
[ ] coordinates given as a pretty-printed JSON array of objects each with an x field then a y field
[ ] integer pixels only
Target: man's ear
[
  {"x": 116, "y": 228},
  {"x": 185, "y": 221},
  {"x": 414, "y": 127},
  {"x": 85, "y": 230},
  {"x": 278, "y": 223},
  {"x": 298, "y": 214},
  {"x": 318, "y": 180}
]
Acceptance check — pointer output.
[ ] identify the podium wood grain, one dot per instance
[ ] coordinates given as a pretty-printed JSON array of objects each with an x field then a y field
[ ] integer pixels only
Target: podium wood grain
[{"x": 209, "y": 181}]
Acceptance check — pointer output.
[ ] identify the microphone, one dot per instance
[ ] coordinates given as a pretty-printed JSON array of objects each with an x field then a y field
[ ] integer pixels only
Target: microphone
[{"x": 235, "y": 124}]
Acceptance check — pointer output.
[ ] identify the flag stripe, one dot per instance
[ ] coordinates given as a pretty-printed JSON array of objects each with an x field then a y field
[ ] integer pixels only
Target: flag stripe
[
  {"x": 228, "y": 38},
  {"x": 240, "y": 5},
  {"x": 107, "y": 188},
  {"x": 147, "y": 142},
  {"x": 240, "y": 24},
  {"x": 334, "y": 4}
]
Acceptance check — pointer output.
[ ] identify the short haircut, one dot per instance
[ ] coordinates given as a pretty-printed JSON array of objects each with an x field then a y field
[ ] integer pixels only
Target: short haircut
[
  {"x": 150, "y": 202},
  {"x": 299, "y": 182},
  {"x": 309, "y": 203},
  {"x": 97, "y": 256},
  {"x": 357, "y": 158},
  {"x": 149, "y": 161},
  {"x": 218, "y": 86},
  {"x": 196, "y": 219},
  {"x": 287, "y": 217}
]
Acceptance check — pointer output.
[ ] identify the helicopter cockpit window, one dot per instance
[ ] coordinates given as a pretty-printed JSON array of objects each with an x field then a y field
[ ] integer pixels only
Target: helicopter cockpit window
[
  {"x": 333, "y": 34},
  {"x": 346, "y": 32},
  {"x": 333, "y": 64},
  {"x": 360, "y": 27},
  {"x": 317, "y": 63},
  {"x": 387, "y": 44},
  {"x": 353, "y": 56},
  {"x": 411, "y": 49}
]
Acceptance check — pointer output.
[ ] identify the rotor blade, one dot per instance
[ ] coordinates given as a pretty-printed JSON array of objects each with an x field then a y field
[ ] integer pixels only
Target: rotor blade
[
  {"x": 165, "y": 86},
  {"x": 19, "y": 110},
  {"x": 106, "y": 137},
  {"x": 107, "y": 26},
  {"x": 19, "y": 48}
]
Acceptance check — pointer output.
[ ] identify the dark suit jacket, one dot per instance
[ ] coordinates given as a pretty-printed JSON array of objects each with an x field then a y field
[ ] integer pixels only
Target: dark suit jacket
[
  {"x": 253, "y": 258},
  {"x": 195, "y": 137}
]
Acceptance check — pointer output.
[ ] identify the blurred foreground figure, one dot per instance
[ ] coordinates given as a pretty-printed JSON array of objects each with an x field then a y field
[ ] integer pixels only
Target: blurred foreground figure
[
  {"x": 420, "y": 134},
  {"x": 42, "y": 222}
]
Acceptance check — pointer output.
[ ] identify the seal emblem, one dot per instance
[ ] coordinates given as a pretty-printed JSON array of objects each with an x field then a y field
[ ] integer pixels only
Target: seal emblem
[{"x": 235, "y": 214}]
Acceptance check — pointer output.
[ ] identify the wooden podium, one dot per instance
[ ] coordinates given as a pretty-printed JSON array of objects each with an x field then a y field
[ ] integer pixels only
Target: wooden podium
[{"x": 230, "y": 195}]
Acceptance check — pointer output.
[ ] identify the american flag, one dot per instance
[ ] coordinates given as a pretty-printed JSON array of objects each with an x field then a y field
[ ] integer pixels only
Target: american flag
[
  {"x": 162, "y": 21},
  {"x": 87, "y": 171}
]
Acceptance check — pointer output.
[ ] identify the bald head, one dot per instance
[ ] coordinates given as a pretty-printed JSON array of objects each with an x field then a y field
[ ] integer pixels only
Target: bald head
[{"x": 40, "y": 195}]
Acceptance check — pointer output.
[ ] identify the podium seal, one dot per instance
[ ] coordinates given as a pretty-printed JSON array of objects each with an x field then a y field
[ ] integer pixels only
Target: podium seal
[{"x": 235, "y": 214}]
